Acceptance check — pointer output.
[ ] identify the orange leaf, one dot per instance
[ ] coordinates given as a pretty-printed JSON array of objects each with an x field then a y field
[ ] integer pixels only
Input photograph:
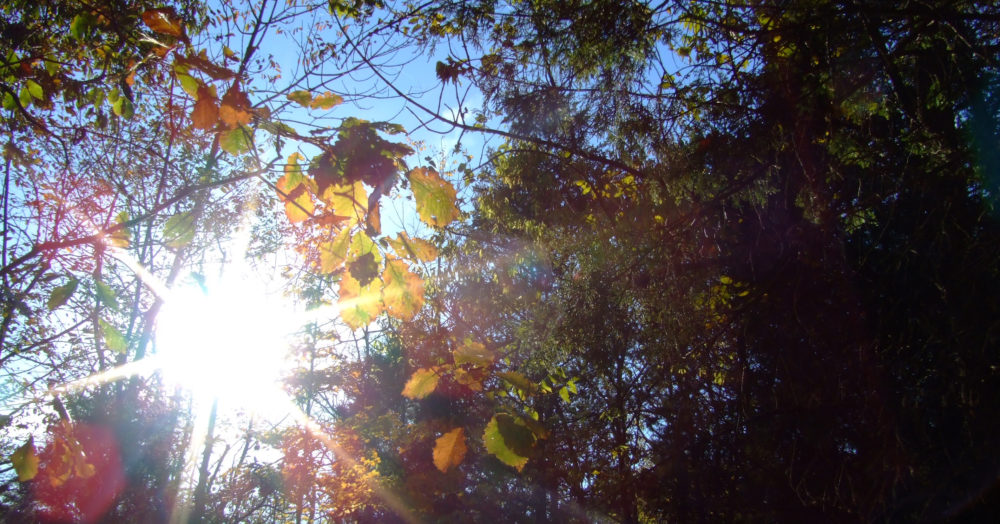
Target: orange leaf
[
  {"x": 163, "y": 21},
  {"x": 449, "y": 450},
  {"x": 205, "y": 113}
]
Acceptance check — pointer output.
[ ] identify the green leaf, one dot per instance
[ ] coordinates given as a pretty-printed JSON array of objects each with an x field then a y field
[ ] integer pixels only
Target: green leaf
[
  {"x": 516, "y": 434},
  {"x": 564, "y": 394},
  {"x": 303, "y": 98},
  {"x": 106, "y": 295},
  {"x": 179, "y": 230},
  {"x": 123, "y": 107},
  {"x": 113, "y": 338},
  {"x": 34, "y": 89},
  {"x": 435, "y": 197},
  {"x": 236, "y": 141},
  {"x": 25, "y": 461},
  {"x": 496, "y": 444},
  {"x": 61, "y": 294},
  {"x": 189, "y": 84},
  {"x": 423, "y": 382},
  {"x": 81, "y": 25}
]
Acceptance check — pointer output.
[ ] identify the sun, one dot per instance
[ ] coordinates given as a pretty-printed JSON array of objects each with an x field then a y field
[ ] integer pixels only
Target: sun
[{"x": 227, "y": 341}]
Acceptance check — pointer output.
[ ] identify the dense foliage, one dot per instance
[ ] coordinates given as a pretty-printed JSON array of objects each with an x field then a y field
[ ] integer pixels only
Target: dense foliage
[{"x": 686, "y": 261}]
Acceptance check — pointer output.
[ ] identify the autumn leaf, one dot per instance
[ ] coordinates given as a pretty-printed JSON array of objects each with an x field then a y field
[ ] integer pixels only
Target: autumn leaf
[
  {"x": 497, "y": 445},
  {"x": 235, "y": 108},
  {"x": 25, "y": 461},
  {"x": 292, "y": 188},
  {"x": 61, "y": 294},
  {"x": 519, "y": 381},
  {"x": 303, "y": 98},
  {"x": 205, "y": 112},
  {"x": 474, "y": 353},
  {"x": 403, "y": 292},
  {"x": 325, "y": 101},
  {"x": 449, "y": 450},
  {"x": 236, "y": 141},
  {"x": 468, "y": 379},
  {"x": 333, "y": 254},
  {"x": 359, "y": 305},
  {"x": 435, "y": 197},
  {"x": 349, "y": 200},
  {"x": 163, "y": 21},
  {"x": 413, "y": 248},
  {"x": 364, "y": 268},
  {"x": 423, "y": 382}
]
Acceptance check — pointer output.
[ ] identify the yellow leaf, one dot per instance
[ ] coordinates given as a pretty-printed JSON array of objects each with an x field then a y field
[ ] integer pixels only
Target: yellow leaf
[
  {"x": 403, "y": 291},
  {"x": 449, "y": 450},
  {"x": 325, "y": 101},
  {"x": 435, "y": 197},
  {"x": 423, "y": 382},
  {"x": 474, "y": 353},
  {"x": 298, "y": 203},
  {"x": 333, "y": 254},
  {"x": 413, "y": 248},
  {"x": 348, "y": 200},
  {"x": 468, "y": 380},
  {"x": 25, "y": 461},
  {"x": 359, "y": 305}
]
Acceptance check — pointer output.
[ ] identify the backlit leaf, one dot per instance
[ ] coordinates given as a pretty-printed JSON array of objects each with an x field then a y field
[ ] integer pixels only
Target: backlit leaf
[
  {"x": 474, "y": 353},
  {"x": 106, "y": 295},
  {"x": 423, "y": 382},
  {"x": 34, "y": 89},
  {"x": 325, "y": 101},
  {"x": 519, "y": 381},
  {"x": 413, "y": 248},
  {"x": 298, "y": 202},
  {"x": 435, "y": 197},
  {"x": 236, "y": 141},
  {"x": 163, "y": 21},
  {"x": 449, "y": 450},
  {"x": 179, "y": 230},
  {"x": 363, "y": 268},
  {"x": 359, "y": 305},
  {"x": 516, "y": 434},
  {"x": 61, "y": 294},
  {"x": 113, "y": 338},
  {"x": 25, "y": 461},
  {"x": 333, "y": 254},
  {"x": 497, "y": 446},
  {"x": 303, "y": 98},
  {"x": 205, "y": 113},
  {"x": 348, "y": 200},
  {"x": 403, "y": 291},
  {"x": 81, "y": 25}
]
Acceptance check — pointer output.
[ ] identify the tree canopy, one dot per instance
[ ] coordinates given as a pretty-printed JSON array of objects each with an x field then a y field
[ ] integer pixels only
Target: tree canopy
[{"x": 545, "y": 261}]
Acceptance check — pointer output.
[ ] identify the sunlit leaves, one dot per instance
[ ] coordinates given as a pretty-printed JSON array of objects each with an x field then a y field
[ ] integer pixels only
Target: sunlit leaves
[
  {"x": 113, "y": 338},
  {"x": 449, "y": 450},
  {"x": 179, "y": 230},
  {"x": 25, "y": 461},
  {"x": 205, "y": 112},
  {"x": 163, "y": 21},
  {"x": 435, "y": 197},
  {"x": 415, "y": 249},
  {"x": 349, "y": 200},
  {"x": 61, "y": 294},
  {"x": 235, "y": 108},
  {"x": 333, "y": 254},
  {"x": 503, "y": 436},
  {"x": 303, "y": 98},
  {"x": 519, "y": 381},
  {"x": 236, "y": 141},
  {"x": 293, "y": 188},
  {"x": 364, "y": 268},
  {"x": 81, "y": 25},
  {"x": 105, "y": 295},
  {"x": 359, "y": 305},
  {"x": 475, "y": 353},
  {"x": 403, "y": 291},
  {"x": 326, "y": 101},
  {"x": 423, "y": 382}
]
